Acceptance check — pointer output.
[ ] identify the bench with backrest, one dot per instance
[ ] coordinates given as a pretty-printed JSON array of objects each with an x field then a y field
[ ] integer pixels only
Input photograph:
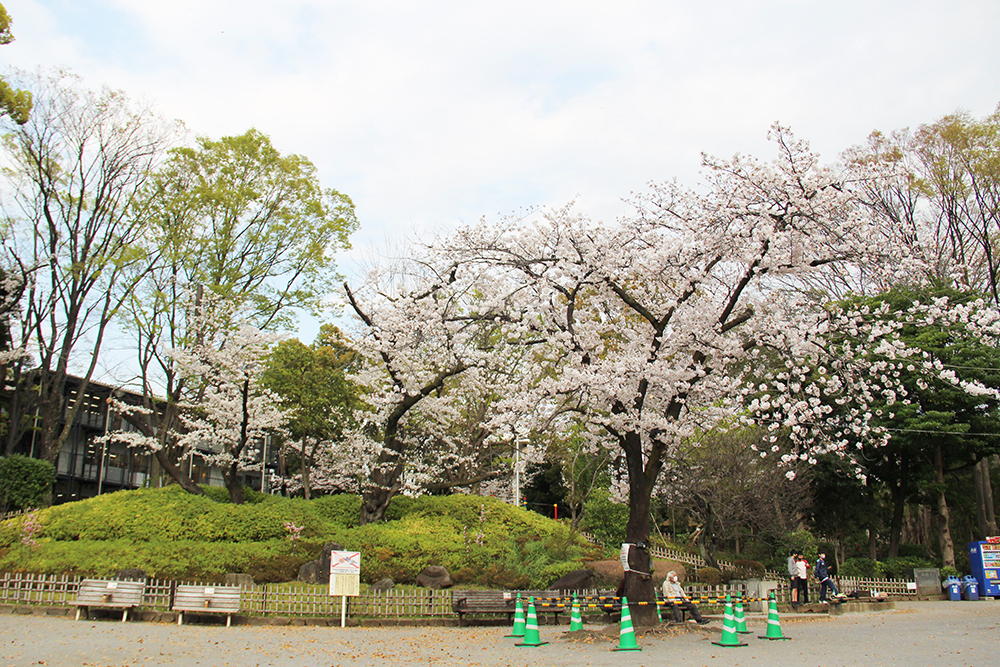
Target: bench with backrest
[
  {"x": 503, "y": 602},
  {"x": 207, "y": 600},
  {"x": 108, "y": 594}
]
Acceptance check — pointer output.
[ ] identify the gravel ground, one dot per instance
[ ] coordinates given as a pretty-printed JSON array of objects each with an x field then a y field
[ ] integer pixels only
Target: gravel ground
[{"x": 915, "y": 633}]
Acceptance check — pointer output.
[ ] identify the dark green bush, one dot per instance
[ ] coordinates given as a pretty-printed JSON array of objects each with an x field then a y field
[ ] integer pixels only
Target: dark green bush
[
  {"x": 604, "y": 519},
  {"x": 899, "y": 568},
  {"x": 858, "y": 567},
  {"x": 25, "y": 483},
  {"x": 708, "y": 575},
  {"x": 220, "y": 494},
  {"x": 747, "y": 569}
]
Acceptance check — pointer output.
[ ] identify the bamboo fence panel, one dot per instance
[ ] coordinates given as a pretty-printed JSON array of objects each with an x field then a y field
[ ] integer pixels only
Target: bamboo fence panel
[{"x": 315, "y": 601}]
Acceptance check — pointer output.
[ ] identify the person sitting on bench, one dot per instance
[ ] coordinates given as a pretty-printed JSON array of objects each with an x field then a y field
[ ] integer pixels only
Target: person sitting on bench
[{"x": 674, "y": 594}]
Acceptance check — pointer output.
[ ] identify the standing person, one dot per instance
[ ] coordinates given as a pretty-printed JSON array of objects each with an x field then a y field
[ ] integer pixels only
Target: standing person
[
  {"x": 802, "y": 570},
  {"x": 793, "y": 577},
  {"x": 823, "y": 577},
  {"x": 673, "y": 593}
]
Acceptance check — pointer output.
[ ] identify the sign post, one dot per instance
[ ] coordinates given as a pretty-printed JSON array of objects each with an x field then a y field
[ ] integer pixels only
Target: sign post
[{"x": 345, "y": 578}]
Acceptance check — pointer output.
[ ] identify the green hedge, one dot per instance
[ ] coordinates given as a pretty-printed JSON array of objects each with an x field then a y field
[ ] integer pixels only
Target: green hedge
[
  {"x": 183, "y": 560},
  {"x": 172, "y": 534},
  {"x": 25, "y": 483}
]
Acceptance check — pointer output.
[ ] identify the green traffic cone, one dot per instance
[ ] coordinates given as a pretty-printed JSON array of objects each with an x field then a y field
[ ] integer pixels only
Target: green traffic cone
[
  {"x": 575, "y": 620},
  {"x": 626, "y": 635},
  {"x": 741, "y": 621},
  {"x": 773, "y": 624},
  {"x": 518, "y": 629},
  {"x": 729, "y": 636},
  {"x": 659, "y": 616},
  {"x": 531, "y": 637}
]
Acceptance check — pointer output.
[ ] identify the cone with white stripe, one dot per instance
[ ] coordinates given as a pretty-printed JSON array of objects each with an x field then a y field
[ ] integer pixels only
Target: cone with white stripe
[
  {"x": 518, "y": 629},
  {"x": 773, "y": 624},
  {"x": 575, "y": 619},
  {"x": 729, "y": 636},
  {"x": 531, "y": 637},
  {"x": 741, "y": 621},
  {"x": 626, "y": 634}
]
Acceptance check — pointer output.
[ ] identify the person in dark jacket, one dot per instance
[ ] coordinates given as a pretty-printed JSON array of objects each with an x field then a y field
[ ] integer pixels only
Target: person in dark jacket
[{"x": 823, "y": 577}]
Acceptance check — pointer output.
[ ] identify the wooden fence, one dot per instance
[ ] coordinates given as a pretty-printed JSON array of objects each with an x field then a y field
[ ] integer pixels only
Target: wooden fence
[
  {"x": 258, "y": 600},
  {"x": 301, "y": 600}
]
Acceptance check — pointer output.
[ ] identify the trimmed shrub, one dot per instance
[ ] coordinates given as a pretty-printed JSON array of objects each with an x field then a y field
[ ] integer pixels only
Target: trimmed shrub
[
  {"x": 747, "y": 569},
  {"x": 25, "y": 483},
  {"x": 172, "y": 534},
  {"x": 899, "y": 568},
  {"x": 709, "y": 575},
  {"x": 858, "y": 567}
]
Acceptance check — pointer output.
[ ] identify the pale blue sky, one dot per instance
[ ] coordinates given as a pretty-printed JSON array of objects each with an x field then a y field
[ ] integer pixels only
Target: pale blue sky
[{"x": 437, "y": 112}]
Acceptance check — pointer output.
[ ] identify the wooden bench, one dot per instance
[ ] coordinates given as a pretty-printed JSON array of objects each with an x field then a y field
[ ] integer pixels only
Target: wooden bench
[
  {"x": 207, "y": 600},
  {"x": 108, "y": 594},
  {"x": 501, "y": 602}
]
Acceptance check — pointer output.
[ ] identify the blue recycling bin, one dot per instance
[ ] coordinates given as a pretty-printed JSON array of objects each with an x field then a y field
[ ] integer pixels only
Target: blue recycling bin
[
  {"x": 970, "y": 587},
  {"x": 953, "y": 586}
]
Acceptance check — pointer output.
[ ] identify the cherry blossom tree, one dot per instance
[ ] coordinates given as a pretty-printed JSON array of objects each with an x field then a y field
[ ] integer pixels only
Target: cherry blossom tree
[
  {"x": 653, "y": 325},
  {"x": 235, "y": 414},
  {"x": 227, "y": 413},
  {"x": 686, "y": 317},
  {"x": 431, "y": 336}
]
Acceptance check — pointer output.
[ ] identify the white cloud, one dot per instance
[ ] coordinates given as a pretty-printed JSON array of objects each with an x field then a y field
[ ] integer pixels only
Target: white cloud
[{"x": 427, "y": 113}]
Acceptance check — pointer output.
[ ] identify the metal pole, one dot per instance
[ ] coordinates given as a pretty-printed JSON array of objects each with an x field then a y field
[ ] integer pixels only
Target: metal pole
[
  {"x": 517, "y": 472},
  {"x": 263, "y": 465},
  {"x": 104, "y": 446}
]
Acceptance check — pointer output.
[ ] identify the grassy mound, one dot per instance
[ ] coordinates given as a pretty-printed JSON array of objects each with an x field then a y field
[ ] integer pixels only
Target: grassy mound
[{"x": 173, "y": 535}]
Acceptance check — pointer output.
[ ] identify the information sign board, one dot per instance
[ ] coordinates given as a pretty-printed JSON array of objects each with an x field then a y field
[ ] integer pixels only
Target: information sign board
[{"x": 345, "y": 573}]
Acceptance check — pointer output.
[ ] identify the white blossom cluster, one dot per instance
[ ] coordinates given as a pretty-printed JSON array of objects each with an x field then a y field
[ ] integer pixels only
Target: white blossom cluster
[{"x": 666, "y": 324}]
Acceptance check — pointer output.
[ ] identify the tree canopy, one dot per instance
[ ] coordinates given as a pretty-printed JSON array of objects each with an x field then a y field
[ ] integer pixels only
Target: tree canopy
[{"x": 14, "y": 103}]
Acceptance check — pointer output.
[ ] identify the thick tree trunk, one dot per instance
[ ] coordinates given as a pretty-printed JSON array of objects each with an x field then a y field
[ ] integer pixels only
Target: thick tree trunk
[
  {"x": 638, "y": 579},
  {"x": 306, "y": 486},
  {"x": 385, "y": 483},
  {"x": 898, "y": 506},
  {"x": 172, "y": 469},
  {"x": 943, "y": 516},
  {"x": 985, "y": 515},
  {"x": 233, "y": 483}
]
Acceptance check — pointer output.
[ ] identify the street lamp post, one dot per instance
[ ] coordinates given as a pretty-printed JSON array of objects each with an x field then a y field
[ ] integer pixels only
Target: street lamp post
[
  {"x": 104, "y": 445},
  {"x": 517, "y": 471}
]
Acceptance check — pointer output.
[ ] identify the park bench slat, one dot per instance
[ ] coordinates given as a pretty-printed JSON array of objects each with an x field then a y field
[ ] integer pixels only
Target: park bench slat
[
  {"x": 500, "y": 602},
  {"x": 108, "y": 593},
  {"x": 207, "y": 600}
]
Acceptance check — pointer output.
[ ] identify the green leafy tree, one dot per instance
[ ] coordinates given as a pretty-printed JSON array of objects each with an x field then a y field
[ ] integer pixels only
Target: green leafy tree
[
  {"x": 242, "y": 229},
  {"x": 940, "y": 427},
  {"x": 310, "y": 381},
  {"x": 14, "y": 103}
]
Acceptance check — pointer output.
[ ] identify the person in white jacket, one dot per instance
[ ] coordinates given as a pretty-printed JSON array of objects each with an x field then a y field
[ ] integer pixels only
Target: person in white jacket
[{"x": 673, "y": 593}]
